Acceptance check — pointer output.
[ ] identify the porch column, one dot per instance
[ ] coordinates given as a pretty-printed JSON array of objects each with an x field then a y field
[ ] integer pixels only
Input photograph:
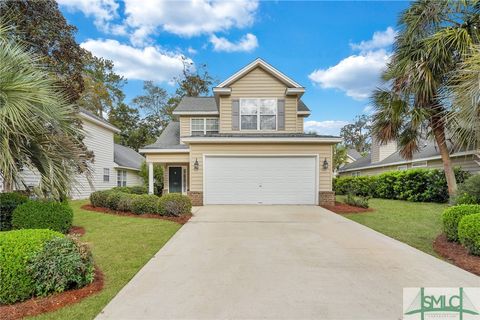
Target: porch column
[{"x": 150, "y": 178}]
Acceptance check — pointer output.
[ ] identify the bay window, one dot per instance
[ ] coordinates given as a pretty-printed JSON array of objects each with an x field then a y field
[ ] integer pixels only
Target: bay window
[
  {"x": 258, "y": 114},
  {"x": 203, "y": 126}
]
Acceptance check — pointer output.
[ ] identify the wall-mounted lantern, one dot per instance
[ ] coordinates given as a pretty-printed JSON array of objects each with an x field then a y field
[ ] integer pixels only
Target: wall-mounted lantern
[
  {"x": 195, "y": 164},
  {"x": 325, "y": 164}
]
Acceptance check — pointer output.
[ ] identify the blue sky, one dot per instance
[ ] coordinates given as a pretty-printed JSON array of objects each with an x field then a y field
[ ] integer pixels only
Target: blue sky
[{"x": 336, "y": 49}]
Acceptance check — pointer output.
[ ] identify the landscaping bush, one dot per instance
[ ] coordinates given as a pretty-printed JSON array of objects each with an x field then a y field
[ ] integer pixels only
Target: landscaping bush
[
  {"x": 63, "y": 264},
  {"x": 469, "y": 191},
  {"x": 469, "y": 233},
  {"x": 452, "y": 216},
  {"x": 56, "y": 216},
  {"x": 8, "y": 202},
  {"x": 17, "y": 249},
  {"x": 99, "y": 198},
  {"x": 145, "y": 203},
  {"x": 132, "y": 190},
  {"x": 174, "y": 204},
  {"x": 356, "y": 201},
  {"x": 425, "y": 185},
  {"x": 113, "y": 198},
  {"x": 125, "y": 202}
]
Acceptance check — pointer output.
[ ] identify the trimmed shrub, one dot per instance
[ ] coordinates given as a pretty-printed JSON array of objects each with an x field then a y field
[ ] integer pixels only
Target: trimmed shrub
[
  {"x": 17, "y": 249},
  {"x": 362, "y": 186},
  {"x": 125, "y": 202},
  {"x": 145, "y": 203},
  {"x": 469, "y": 233},
  {"x": 452, "y": 216},
  {"x": 469, "y": 191},
  {"x": 174, "y": 204},
  {"x": 56, "y": 216},
  {"x": 132, "y": 190},
  {"x": 63, "y": 264},
  {"x": 112, "y": 200},
  {"x": 99, "y": 198},
  {"x": 8, "y": 202},
  {"x": 356, "y": 201}
]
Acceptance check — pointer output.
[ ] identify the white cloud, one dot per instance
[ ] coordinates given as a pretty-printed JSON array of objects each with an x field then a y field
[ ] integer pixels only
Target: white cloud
[
  {"x": 102, "y": 11},
  {"x": 368, "y": 109},
  {"x": 356, "y": 75},
  {"x": 380, "y": 39},
  {"x": 192, "y": 51},
  {"x": 327, "y": 127},
  {"x": 246, "y": 44},
  {"x": 149, "y": 63}
]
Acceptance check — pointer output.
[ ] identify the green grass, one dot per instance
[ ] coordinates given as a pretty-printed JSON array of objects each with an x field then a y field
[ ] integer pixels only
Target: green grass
[
  {"x": 120, "y": 246},
  {"x": 415, "y": 223}
]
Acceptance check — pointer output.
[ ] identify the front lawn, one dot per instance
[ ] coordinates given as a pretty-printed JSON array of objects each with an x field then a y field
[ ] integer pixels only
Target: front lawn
[
  {"x": 415, "y": 223},
  {"x": 120, "y": 246}
]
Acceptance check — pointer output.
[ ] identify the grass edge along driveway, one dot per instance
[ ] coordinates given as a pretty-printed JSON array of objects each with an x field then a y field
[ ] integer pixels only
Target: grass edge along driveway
[
  {"x": 121, "y": 246},
  {"x": 414, "y": 223}
]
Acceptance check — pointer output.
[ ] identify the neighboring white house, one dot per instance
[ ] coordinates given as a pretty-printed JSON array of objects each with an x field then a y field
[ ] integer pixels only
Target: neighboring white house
[{"x": 114, "y": 165}]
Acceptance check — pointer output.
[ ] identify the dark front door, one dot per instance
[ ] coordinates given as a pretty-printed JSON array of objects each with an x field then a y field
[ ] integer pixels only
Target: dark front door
[{"x": 175, "y": 179}]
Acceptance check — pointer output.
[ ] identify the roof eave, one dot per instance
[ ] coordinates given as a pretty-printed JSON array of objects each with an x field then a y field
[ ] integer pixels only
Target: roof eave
[{"x": 332, "y": 140}]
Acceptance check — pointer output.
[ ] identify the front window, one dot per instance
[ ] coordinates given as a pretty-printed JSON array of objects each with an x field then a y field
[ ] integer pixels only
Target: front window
[
  {"x": 121, "y": 178},
  {"x": 203, "y": 126},
  {"x": 402, "y": 168},
  {"x": 106, "y": 175},
  {"x": 258, "y": 114}
]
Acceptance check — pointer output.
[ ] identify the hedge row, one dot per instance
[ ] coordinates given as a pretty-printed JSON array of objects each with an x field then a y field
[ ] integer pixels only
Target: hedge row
[
  {"x": 462, "y": 223},
  {"x": 132, "y": 190},
  {"x": 419, "y": 185},
  {"x": 37, "y": 262},
  {"x": 8, "y": 202},
  {"x": 172, "y": 204},
  {"x": 42, "y": 214}
]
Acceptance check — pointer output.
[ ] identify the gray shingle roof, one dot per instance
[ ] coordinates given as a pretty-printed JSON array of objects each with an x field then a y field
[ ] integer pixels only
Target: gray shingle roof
[
  {"x": 169, "y": 139},
  {"x": 354, "y": 154},
  {"x": 127, "y": 157},
  {"x": 302, "y": 106}
]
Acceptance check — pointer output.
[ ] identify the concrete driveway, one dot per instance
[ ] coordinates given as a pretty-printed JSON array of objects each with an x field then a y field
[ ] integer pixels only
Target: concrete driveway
[{"x": 279, "y": 262}]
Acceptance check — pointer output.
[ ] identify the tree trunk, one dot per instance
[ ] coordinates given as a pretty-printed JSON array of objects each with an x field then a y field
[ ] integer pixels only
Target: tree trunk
[{"x": 439, "y": 134}]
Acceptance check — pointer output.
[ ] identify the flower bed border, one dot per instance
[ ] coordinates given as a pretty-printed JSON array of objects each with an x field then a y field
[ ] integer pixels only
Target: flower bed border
[
  {"x": 181, "y": 220},
  {"x": 456, "y": 254}
]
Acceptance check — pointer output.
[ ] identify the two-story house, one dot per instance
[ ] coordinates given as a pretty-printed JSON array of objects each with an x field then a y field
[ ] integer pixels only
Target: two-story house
[{"x": 245, "y": 144}]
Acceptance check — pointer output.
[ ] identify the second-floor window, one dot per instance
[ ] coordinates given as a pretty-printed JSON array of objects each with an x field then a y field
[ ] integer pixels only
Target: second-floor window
[
  {"x": 258, "y": 114},
  {"x": 203, "y": 126}
]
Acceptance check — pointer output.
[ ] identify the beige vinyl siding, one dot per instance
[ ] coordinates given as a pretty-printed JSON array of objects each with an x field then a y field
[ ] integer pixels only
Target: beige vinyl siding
[
  {"x": 197, "y": 151},
  {"x": 258, "y": 84},
  {"x": 168, "y": 157},
  {"x": 300, "y": 124},
  {"x": 133, "y": 179},
  {"x": 184, "y": 127}
]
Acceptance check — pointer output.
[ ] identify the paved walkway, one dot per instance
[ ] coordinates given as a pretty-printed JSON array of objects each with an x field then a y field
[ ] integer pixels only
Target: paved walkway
[{"x": 279, "y": 262}]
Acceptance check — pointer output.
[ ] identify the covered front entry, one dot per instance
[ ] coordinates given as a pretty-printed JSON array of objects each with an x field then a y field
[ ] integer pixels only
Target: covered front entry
[{"x": 260, "y": 179}]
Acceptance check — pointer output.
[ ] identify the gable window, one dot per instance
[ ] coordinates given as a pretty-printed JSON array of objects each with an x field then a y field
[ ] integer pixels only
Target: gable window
[
  {"x": 419, "y": 164},
  {"x": 106, "y": 175},
  {"x": 258, "y": 114},
  {"x": 402, "y": 168},
  {"x": 355, "y": 173},
  {"x": 203, "y": 126},
  {"x": 121, "y": 178}
]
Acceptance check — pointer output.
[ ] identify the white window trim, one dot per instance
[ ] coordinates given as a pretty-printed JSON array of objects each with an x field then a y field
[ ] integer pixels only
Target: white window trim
[
  {"x": 123, "y": 181},
  {"x": 258, "y": 114},
  {"x": 402, "y": 167},
  {"x": 355, "y": 174},
  {"x": 204, "y": 124},
  {"x": 106, "y": 170},
  {"x": 420, "y": 164}
]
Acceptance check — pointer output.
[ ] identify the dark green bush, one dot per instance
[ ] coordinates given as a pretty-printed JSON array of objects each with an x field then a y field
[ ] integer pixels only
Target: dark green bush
[
  {"x": 145, "y": 203},
  {"x": 125, "y": 202},
  {"x": 426, "y": 185},
  {"x": 63, "y": 264},
  {"x": 469, "y": 191},
  {"x": 452, "y": 216},
  {"x": 8, "y": 202},
  {"x": 469, "y": 233},
  {"x": 99, "y": 198},
  {"x": 17, "y": 249},
  {"x": 113, "y": 199},
  {"x": 56, "y": 216},
  {"x": 132, "y": 190},
  {"x": 174, "y": 204},
  {"x": 356, "y": 201}
]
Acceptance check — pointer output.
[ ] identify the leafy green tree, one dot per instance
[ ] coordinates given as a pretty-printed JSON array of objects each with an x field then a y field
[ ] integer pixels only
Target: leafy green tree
[
  {"x": 356, "y": 135},
  {"x": 433, "y": 39},
  {"x": 37, "y": 124},
  {"x": 340, "y": 156},
  {"x": 155, "y": 104},
  {"x": 157, "y": 176}
]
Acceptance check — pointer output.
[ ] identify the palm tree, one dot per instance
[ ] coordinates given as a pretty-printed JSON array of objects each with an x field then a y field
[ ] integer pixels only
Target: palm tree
[
  {"x": 37, "y": 125},
  {"x": 433, "y": 38}
]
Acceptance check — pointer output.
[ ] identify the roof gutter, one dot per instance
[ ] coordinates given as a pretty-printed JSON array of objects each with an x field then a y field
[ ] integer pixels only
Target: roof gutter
[
  {"x": 260, "y": 139},
  {"x": 164, "y": 150},
  {"x": 187, "y": 113},
  {"x": 126, "y": 168}
]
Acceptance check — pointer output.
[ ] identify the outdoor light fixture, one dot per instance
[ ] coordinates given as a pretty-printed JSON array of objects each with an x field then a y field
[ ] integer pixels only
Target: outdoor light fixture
[
  {"x": 195, "y": 164},
  {"x": 325, "y": 164}
]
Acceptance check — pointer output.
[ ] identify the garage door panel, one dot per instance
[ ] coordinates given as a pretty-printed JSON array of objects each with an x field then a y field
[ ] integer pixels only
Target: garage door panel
[{"x": 260, "y": 180}]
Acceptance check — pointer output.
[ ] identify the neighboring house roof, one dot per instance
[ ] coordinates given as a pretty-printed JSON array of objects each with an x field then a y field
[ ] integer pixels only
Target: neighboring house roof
[
  {"x": 427, "y": 152},
  {"x": 98, "y": 120},
  {"x": 208, "y": 105},
  {"x": 126, "y": 157},
  {"x": 169, "y": 139},
  {"x": 354, "y": 154}
]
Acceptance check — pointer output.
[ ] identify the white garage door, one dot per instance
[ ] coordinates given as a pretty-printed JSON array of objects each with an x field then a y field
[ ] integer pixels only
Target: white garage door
[{"x": 260, "y": 180}]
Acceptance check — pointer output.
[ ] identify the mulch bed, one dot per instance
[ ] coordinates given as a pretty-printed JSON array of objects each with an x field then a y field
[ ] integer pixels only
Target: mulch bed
[
  {"x": 182, "y": 219},
  {"x": 76, "y": 230},
  {"x": 36, "y": 306},
  {"x": 457, "y": 254},
  {"x": 342, "y": 208}
]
